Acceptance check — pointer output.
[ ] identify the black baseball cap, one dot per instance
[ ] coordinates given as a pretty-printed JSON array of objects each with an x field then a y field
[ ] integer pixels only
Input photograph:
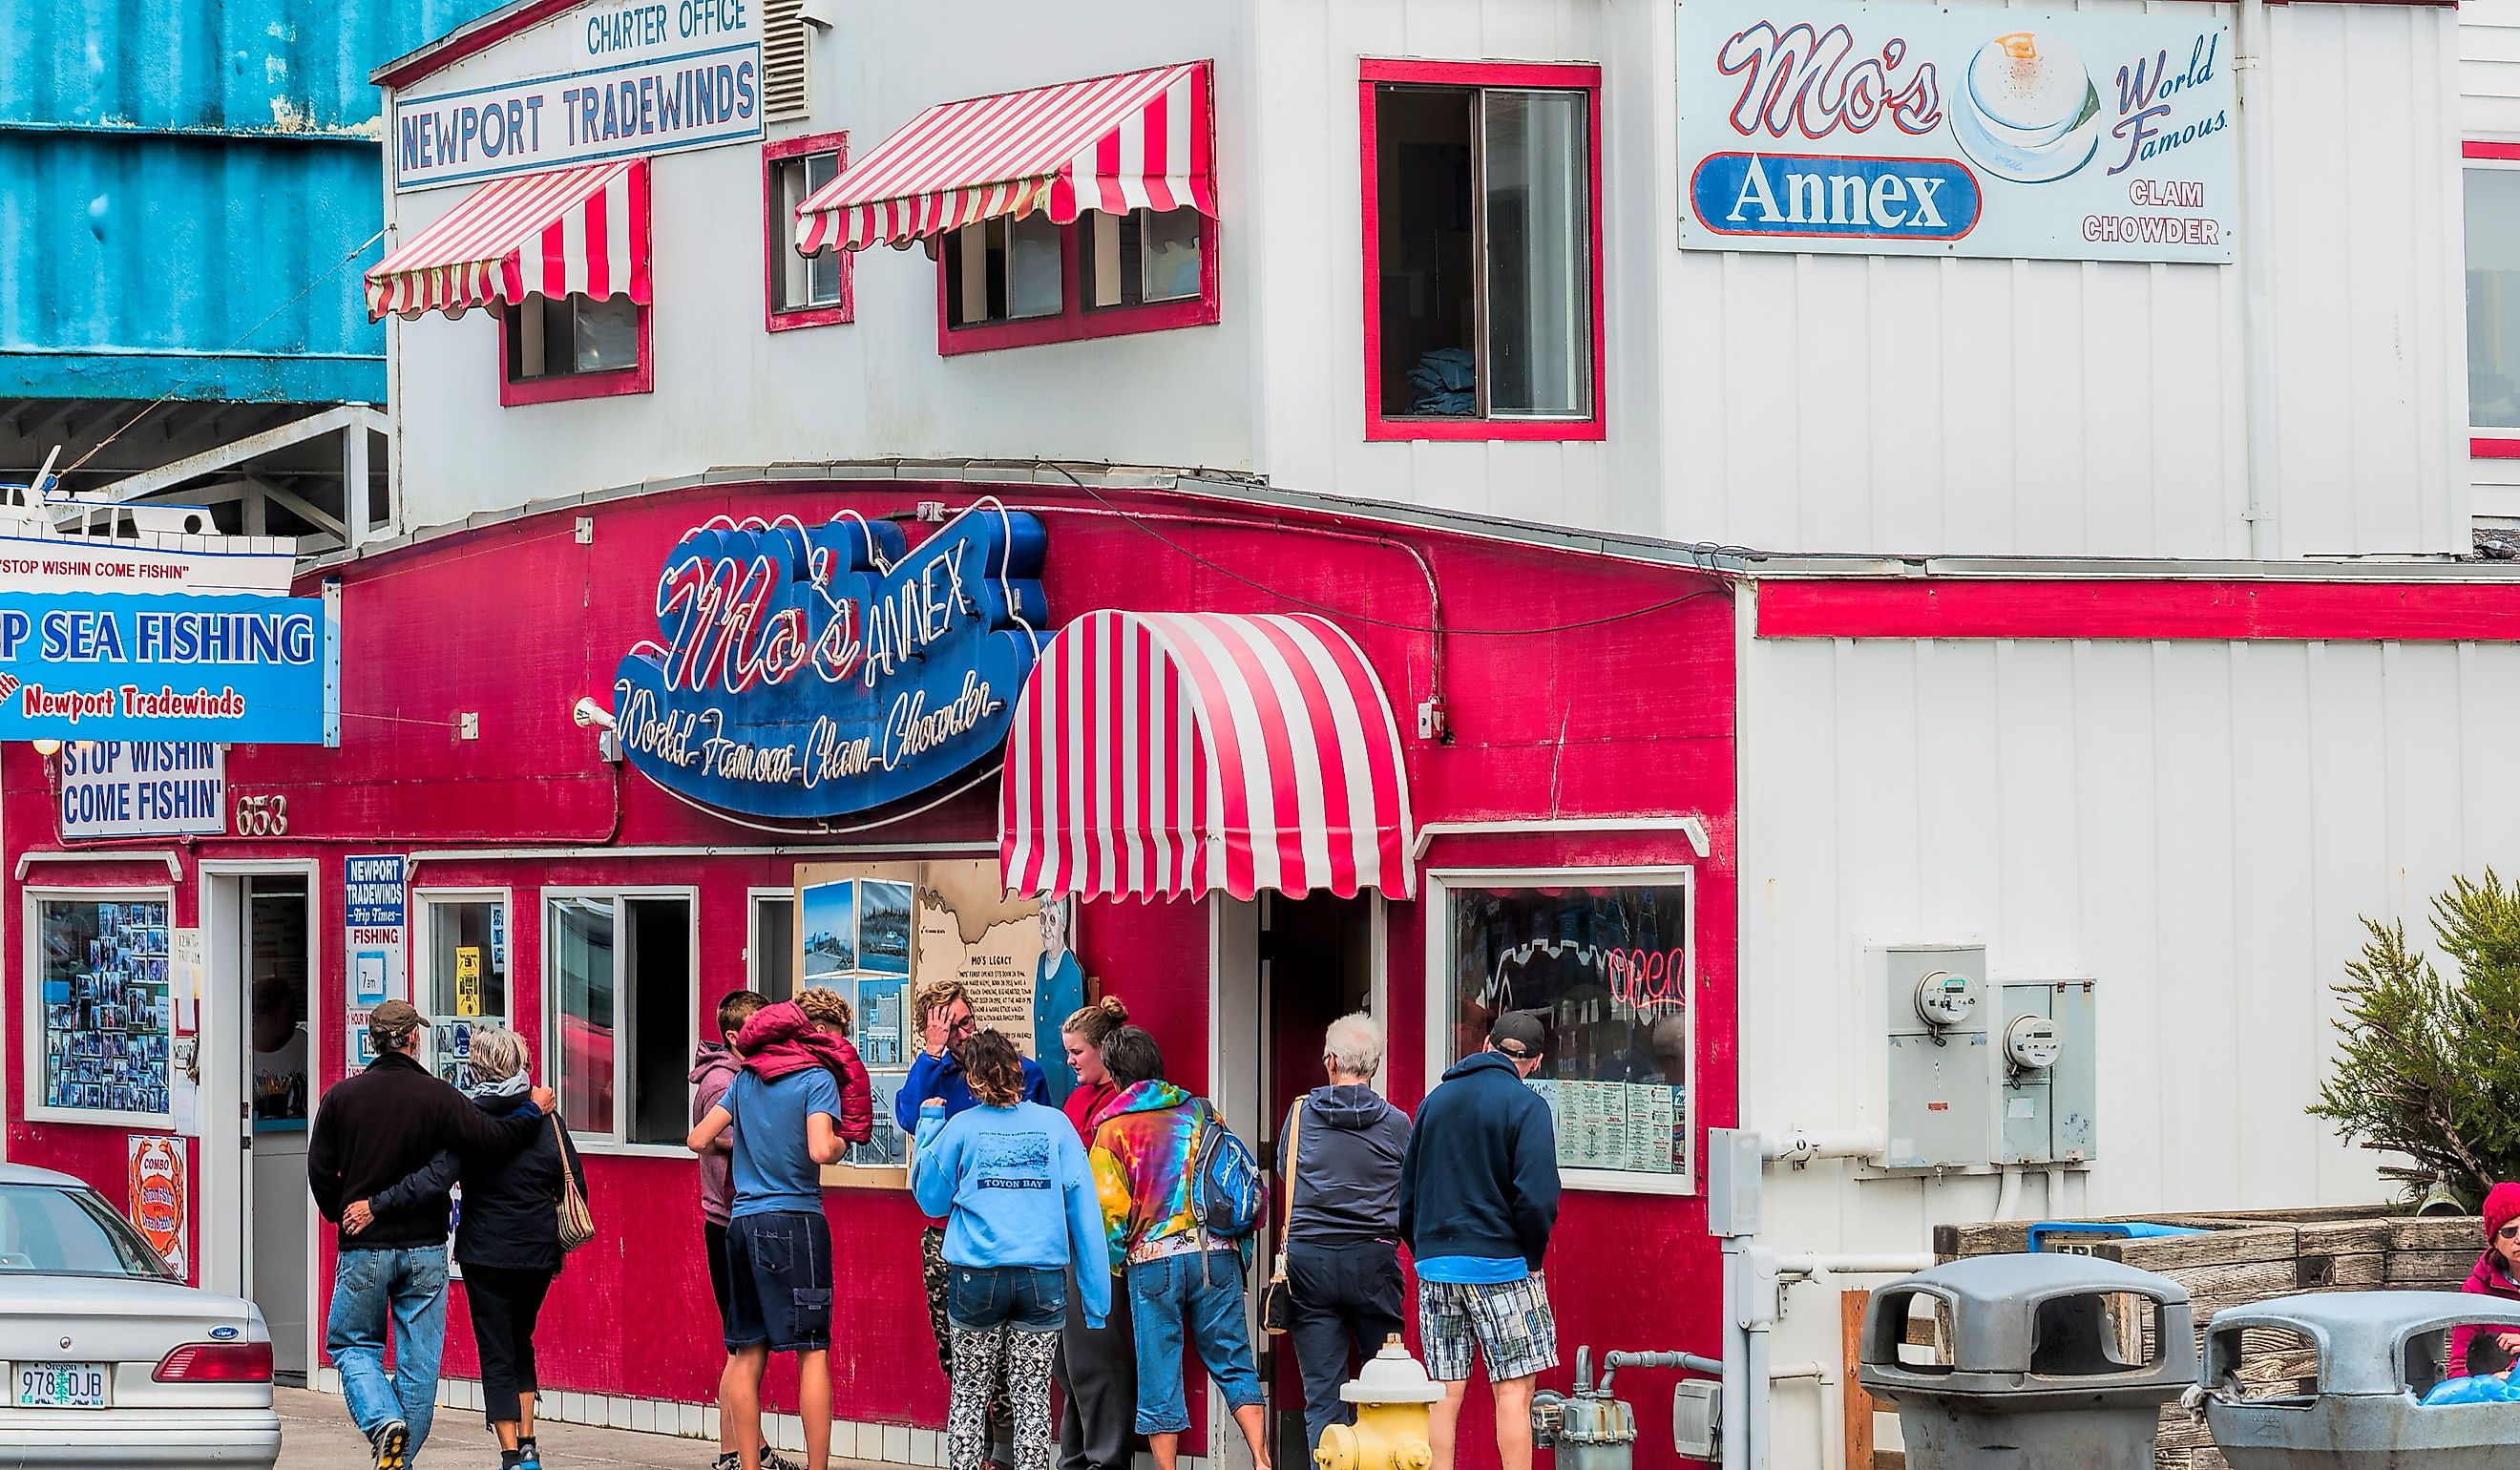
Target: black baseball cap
[{"x": 1518, "y": 1034}]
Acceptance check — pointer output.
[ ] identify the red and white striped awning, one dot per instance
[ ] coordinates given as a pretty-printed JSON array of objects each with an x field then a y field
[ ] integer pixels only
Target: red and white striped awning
[
  {"x": 1166, "y": 753},
  {"x": 574, "y": 230},
  {"x": 1139, "y": 140}
]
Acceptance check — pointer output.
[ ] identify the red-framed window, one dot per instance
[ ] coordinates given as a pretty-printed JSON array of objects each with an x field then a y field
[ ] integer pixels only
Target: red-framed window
[
  {"x": 1482, "y": 250},
  {"x": 1019, "y": 282},
  {"x": 557, "y": 348},
  {"x": 2490, "y": 178},
  {"x": 800, "y": 290}
]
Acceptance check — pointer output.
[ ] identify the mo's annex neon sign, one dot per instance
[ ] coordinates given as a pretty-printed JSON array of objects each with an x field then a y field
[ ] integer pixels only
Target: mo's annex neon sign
[{"x": 808, "y": 672}]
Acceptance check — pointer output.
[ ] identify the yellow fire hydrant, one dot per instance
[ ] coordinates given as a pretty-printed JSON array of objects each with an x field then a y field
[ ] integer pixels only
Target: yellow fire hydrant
[{"x": 1391, "y": 1397}]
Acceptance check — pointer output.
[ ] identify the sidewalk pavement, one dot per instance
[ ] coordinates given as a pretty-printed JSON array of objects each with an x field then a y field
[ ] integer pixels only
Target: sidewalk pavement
[{"x": 316, "y": 1433}]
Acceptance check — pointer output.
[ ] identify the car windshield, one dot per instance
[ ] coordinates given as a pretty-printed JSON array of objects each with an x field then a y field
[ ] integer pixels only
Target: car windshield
[{"x": 49, "y": 1230}]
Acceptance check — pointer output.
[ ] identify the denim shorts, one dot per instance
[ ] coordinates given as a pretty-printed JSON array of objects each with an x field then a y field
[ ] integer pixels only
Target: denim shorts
[
  {"x": 1031, "y": 1296},
  {"x": 1199, "y": 1297},
  {"x": 778, "y": 1268}
]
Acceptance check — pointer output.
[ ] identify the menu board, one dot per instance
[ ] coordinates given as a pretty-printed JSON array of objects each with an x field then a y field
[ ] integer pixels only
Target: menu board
[{"x": 106, "y": 1014}]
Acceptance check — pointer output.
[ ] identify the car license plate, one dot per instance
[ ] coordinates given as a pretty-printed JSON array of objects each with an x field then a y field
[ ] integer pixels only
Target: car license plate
[{"x": 61, "y": 1385}]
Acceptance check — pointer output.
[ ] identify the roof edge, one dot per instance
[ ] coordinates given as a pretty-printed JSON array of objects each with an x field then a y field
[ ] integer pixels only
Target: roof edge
[{"x": 468, "y": 39}]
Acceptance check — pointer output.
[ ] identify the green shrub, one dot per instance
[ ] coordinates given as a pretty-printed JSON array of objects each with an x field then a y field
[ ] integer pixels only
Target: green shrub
[{"x": 2427, "y": 1067}]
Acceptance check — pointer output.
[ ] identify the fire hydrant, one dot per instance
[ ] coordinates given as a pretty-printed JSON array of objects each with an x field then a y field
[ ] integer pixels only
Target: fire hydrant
[{"x": 1391, "y": 1397}]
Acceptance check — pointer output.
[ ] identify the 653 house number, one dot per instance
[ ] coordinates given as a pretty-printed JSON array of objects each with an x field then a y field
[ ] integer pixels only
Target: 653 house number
[{"x": 262, "y": 817}]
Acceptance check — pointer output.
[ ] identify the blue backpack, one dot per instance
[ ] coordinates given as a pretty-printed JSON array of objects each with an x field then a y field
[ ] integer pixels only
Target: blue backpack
[{"x": 1227, "y": 1192}]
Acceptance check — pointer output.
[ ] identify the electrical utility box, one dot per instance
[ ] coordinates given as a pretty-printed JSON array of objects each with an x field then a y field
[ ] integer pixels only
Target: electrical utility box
[
  {"x": 1942, "y": 1059},
  {"x": 2046, "y": 1077}
]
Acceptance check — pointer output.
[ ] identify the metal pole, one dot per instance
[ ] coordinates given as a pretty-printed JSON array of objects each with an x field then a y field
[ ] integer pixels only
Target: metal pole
[{"x": 354, "y": 480}]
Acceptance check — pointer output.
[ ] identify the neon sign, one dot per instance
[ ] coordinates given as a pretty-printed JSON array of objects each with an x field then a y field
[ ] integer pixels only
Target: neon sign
[{"x": 810, "y": 672}]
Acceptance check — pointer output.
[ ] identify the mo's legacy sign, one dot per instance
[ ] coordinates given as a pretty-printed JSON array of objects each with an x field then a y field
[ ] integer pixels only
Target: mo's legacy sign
[
  {"x": 808, "y": 672},
  {"x": 1912, "y": 129}
]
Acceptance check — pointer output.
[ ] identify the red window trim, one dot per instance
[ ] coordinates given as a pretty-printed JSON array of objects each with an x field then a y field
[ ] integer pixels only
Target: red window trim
[
  {"x": 2492, "y": 446},
  {"x": 1074, "y": 323},
  {"x": 619, "y": 382},
  {"x": 772, "y": 318},
  {"x": 2142, "y": 611},
  {"x": 1563, "y": 75}
]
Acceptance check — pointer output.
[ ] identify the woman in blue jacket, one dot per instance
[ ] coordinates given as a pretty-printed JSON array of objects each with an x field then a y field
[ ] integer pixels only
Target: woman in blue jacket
[{"x": 1014, "y": 1182}]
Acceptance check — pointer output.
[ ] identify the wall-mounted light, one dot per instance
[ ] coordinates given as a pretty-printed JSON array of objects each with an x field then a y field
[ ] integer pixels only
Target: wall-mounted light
[
  {"x": 46, "y": 748},
  {"x": 590, "y": 715}
]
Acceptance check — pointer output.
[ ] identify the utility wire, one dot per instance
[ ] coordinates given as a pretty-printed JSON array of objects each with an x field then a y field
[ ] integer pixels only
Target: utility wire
[
  {"x": 1255, "y": 585},
  {"x": 242, "y": 337}
]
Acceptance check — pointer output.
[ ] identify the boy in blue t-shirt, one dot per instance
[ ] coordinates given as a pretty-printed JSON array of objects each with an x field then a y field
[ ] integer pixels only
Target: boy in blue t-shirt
[{"x": 779, "y": 1248}]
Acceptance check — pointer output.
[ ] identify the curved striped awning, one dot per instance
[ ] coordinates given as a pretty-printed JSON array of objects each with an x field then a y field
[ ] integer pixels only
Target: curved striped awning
[
  {"x": 574, "y": 230},
  {"x": 1139, "y": 140},
  {"x": 1166, "y": 753}
]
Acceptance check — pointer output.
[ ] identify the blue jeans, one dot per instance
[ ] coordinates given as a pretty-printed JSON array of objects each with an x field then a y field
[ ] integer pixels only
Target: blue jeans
[
  {"x": 1032, "y": 1298},
  {"x": 408, "y": 1289},
  {"x": 1176, "y": 1292}
]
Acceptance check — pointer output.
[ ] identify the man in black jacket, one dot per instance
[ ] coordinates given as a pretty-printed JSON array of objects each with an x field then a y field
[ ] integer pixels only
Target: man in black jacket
[
  {"x": 1478, "y": 1198},
  {"x": 371, "y": 1130}
]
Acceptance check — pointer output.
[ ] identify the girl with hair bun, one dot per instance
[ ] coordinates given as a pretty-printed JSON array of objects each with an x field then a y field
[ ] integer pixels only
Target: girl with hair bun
[{"x": 1097, "y": 1366}]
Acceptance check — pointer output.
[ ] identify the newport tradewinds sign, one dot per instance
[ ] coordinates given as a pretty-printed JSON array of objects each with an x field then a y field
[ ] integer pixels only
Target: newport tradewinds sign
[
  {"x": 809, "y": 672},
  {"x": 110, "y": 666}
]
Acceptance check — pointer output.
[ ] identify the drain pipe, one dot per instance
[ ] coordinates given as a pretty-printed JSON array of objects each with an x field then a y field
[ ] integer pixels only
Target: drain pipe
[{"x": 2257, "y": 281}]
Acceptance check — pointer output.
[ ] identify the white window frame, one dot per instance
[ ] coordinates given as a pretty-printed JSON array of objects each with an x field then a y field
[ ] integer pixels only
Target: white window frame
[
  {"x": 1437, "y": 901},
  {"x": 752, "y": 898},
  {"x": 615, "y": 1141},
  {"x": 31, "y": 1011},
  {"x": 422, "y": 957}
]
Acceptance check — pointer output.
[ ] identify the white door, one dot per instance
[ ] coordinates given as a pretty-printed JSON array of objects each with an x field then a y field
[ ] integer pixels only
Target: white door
[{"x": 1238, "y": 1063}]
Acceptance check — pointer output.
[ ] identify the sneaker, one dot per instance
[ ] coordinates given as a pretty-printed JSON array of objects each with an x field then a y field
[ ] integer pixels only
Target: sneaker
[
  {"x": 772, "y": 1459},
  {"x": 392, "y": 1443},
  {"x": 727, "y": 1461},
  {"x": 529, "y": 1455}
]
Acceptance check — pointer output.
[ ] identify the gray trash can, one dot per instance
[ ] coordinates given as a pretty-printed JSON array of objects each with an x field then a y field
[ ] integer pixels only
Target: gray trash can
[
  {"x": 2030, "y": 1362},
  {"x": 2378, "y": 1354}
]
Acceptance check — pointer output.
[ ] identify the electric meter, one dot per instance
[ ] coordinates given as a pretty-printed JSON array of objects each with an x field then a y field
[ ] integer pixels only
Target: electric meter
[
  {"x": 1944, "y": 999},
  {"x": 2031, "y": 1043}
]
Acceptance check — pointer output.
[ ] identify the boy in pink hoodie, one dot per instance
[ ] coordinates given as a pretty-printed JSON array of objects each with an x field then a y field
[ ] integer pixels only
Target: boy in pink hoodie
[{"x": 2497, "y": 1274}]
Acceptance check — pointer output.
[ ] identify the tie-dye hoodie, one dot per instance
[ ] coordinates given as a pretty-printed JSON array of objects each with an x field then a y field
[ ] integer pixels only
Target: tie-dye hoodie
[{"x": 1142, "y": 1167}]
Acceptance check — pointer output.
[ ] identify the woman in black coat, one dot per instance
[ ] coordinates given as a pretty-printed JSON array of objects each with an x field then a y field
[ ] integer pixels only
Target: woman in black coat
[{"x": 508, "y": 1239}]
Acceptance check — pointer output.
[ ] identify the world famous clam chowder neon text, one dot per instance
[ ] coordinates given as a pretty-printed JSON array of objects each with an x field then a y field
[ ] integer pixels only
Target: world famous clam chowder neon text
[{"x": 811, "y": 672}]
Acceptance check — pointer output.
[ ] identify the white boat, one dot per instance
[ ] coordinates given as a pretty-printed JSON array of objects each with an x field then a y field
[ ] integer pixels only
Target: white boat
[{"x": 53, "y": 543}]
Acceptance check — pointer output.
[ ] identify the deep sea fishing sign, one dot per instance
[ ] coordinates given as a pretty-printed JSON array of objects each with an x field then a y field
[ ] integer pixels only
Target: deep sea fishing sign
[
  {"x": 811, "y": 672},
  {"x": 1907, "y": 129}
]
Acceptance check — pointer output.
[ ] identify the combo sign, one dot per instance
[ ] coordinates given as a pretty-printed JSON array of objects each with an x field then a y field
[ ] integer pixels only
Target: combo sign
[
  {"x": 1904, "y": 129},
  {"x": 810, "y": 672},
  {"x": 116, "y": 667}
]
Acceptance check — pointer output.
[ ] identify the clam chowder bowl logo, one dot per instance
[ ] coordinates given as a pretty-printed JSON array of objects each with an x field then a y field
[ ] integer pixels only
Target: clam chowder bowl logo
[{"x": 809, "y": 672}]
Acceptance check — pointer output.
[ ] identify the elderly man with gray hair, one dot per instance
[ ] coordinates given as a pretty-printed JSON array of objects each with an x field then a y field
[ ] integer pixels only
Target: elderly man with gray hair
[{"x": 1342, "y": 1218}]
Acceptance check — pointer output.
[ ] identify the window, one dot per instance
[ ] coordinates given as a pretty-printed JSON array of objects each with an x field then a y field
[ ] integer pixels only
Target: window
[
  {"x": 1483, "y": 247},
  {"x": 770, "y": 956},
  {"x": 1605, "y": 959},
  {"x": 2492, "y": 180},
  {"x": 623, "y": 986},
  {"x": 98, "y": 963},
  {"x": 573, "y": 347},
  {"x": 857, "y": 942},
  {"x": 1019, "y": 282},
  {"x": 463, "y": 976},
  {"x": 802, "y": 290}
]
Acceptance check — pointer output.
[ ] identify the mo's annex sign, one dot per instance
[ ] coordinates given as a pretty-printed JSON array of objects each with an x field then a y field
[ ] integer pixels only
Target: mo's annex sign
[{"x": 810, "y": 672}]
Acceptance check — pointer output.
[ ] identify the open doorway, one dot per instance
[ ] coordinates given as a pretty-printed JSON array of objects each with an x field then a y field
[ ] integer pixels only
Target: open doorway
[
  {"x": 257, "y": 1065},
  {"x": 1285, "y": 969}
]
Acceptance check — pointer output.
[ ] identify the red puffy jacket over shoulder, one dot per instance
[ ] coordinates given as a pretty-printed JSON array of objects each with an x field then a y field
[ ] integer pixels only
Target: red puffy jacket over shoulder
[{"x": 781, "y": 1038}]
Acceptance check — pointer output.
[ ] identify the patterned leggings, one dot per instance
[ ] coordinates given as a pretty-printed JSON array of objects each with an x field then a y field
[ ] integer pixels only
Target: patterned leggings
[{"x": 980, "y": 1358}]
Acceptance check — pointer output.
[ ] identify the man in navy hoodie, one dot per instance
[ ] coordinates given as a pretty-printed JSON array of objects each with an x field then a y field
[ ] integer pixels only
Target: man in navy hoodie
[{"x": 1478, "y": 1196}]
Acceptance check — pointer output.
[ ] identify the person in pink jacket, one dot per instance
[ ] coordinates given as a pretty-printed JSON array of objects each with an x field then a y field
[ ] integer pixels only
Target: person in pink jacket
[{"x": 2497, "y": 1274}]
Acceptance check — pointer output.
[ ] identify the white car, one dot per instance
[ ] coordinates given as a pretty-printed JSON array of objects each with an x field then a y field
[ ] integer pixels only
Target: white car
[{"x": 107, "y": 1359}]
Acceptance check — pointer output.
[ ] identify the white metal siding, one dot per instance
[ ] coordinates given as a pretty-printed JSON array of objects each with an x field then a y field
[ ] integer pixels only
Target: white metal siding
[
  {"x": 2489, "y": 85},
  {"x": 2199, "y": 826}
]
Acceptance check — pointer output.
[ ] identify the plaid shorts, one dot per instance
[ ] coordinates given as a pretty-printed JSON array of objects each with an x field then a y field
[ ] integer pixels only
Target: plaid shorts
[{"x": 1509, "y": 1321}]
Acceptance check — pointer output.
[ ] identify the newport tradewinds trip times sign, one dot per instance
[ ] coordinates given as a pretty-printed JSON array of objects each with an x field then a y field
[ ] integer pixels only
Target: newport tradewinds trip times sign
[{"x": 1902, "y": 130}]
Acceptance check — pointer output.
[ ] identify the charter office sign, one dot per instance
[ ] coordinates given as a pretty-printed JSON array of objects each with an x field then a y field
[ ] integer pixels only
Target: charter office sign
[{"x": 1902, "y": 130}]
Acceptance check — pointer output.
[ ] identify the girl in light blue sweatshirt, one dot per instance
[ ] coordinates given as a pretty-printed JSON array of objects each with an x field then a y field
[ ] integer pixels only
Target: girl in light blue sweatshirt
[{"x": 1011, "y": 1180}]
